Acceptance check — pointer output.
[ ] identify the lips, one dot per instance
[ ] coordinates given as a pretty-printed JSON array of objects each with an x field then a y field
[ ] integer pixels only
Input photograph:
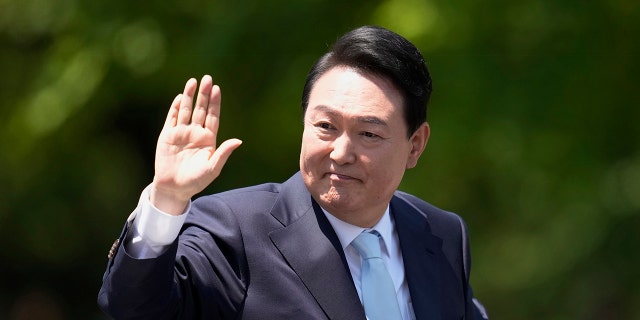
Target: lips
[{"x": 334, "y": 176}]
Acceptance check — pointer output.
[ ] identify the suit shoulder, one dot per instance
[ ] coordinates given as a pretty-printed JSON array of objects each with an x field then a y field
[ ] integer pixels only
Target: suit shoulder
[
  {"x": 246, "y": 195},
  {"x": 437, "y": 217}
]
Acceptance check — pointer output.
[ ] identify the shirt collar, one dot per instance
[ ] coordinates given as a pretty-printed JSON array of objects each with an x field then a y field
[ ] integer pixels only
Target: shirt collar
[{"x": 346, "y": 232}]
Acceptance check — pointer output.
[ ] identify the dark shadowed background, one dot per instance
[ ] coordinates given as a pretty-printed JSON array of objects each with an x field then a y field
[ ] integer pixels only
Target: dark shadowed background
[{"x": 535, "y": 137}]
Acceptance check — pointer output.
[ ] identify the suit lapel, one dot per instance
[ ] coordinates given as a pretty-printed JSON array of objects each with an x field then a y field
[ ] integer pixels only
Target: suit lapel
[
  {"x": 312, "y": 249},
  {"x": 421, "y": 252}
]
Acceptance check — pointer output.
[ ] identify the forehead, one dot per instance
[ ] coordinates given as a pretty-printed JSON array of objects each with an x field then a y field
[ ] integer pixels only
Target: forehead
[{"x": 348, "y": 90}]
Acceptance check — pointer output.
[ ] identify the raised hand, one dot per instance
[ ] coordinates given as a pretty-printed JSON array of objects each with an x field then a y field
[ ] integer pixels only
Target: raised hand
[{"x": 187, "y": 159}]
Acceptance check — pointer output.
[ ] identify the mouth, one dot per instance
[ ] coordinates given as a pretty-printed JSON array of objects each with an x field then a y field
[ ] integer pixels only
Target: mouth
[{"x": 338, "y": 177}]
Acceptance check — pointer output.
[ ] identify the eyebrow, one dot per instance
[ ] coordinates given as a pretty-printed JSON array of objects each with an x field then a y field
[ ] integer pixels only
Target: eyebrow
[
  {"x": 364, "y": 119},
  {"x": 372, "y": 120}
]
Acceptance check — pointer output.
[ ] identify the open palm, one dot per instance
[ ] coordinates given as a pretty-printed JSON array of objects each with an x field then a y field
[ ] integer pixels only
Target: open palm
[{"x": 187, "y": 157}]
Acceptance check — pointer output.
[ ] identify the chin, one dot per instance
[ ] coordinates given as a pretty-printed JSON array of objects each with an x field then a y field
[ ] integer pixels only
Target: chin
[{"x": 335, "y": 201}]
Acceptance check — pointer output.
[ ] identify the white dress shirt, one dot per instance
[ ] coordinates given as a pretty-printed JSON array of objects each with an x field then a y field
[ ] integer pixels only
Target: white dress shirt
[
  {"x": 391, "y": 254},
  {"x": 153, "y": 231}
]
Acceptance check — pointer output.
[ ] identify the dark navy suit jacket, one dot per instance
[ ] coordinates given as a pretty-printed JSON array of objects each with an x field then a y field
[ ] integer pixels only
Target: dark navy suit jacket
[{"x": 269, "y": 252}]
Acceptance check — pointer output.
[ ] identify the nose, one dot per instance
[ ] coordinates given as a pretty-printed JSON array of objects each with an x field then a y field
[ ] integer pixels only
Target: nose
[{"x": 342, "y": 151}]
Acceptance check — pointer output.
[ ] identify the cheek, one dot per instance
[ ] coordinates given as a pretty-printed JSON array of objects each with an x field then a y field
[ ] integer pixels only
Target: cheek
[
  {"x": 305, "y": 144},
  {"x": 312, "y": 146},
  {"x": 309, "y": 152},
  {"x": 388, "y": 170}
]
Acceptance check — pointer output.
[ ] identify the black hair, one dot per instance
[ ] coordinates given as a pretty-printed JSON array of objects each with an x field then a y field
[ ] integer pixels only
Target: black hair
[{"x": 384, "y": 53}]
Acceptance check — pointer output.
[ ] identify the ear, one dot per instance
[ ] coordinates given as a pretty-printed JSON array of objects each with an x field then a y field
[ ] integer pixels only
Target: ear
[{"x": 418, "y": 142}]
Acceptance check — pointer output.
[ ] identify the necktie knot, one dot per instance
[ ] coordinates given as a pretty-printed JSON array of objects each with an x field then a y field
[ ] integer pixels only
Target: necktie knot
[
  {"x": 368, "y": 245},
  {"x": 378, "y": 292}
]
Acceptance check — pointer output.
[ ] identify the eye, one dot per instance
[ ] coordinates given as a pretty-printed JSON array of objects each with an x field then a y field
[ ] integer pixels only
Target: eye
[
  {"x": 370, "y": 135},
  {"x": 325, "y": 125}
]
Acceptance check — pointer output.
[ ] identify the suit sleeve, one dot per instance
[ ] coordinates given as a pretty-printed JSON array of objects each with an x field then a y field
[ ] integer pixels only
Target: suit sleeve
[
  {"x": 475, "y": 309},
  {"x": 201, "y": 275}
]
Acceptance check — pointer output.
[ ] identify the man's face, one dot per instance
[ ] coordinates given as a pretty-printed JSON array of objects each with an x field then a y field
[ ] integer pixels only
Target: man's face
[{"x": 355, "y": 148}]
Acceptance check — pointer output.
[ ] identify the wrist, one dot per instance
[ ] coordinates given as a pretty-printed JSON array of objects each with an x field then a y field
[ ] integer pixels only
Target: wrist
[{"x": 167, "y": 201}]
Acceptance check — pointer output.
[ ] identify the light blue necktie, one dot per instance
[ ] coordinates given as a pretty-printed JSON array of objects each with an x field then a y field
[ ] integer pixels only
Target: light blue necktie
[{"x": 378, "y": 292}]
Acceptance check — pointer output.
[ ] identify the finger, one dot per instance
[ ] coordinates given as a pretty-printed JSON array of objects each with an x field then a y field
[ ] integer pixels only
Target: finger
[
  {"x": 186, "y": 103},
  {"x": 213, "y": 112},
  {"x": 172, "y": 115},
  {"x": 222, "y": 154},
  {"x": 202, "y": 102}
]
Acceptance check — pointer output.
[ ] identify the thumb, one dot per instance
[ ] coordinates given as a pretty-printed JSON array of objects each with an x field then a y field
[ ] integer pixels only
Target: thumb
[{"x": 222, "y": 154}]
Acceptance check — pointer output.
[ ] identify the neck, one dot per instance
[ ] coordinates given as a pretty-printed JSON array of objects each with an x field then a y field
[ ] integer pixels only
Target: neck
[{"x": 366, "y": 219}]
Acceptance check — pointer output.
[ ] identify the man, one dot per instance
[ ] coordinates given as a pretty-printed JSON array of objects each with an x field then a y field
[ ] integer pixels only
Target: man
[{"x": 294, "y": 250}]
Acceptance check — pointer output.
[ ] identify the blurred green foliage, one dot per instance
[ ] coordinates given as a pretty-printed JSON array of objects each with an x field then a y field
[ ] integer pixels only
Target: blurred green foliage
[{"x": 534, "y": 139}]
